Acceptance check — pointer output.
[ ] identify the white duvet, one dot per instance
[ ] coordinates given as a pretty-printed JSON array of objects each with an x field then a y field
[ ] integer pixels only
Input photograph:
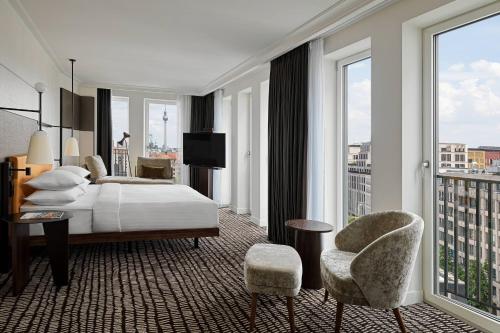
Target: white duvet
[{"x": 121, "y": 207}]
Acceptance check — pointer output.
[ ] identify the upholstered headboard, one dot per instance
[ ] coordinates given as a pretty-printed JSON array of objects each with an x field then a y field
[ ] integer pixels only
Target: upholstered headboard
[{"x": 21, "y": 190}]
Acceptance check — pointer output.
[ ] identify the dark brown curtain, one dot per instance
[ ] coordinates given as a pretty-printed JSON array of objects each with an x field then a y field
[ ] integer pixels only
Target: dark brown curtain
[
  {"x": 202, "y": 120},
  {"x": 287, "y": 141},
  {"x": 104, "y": 127}
]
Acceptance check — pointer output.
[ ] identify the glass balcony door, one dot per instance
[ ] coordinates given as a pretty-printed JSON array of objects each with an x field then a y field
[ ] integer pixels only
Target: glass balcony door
[{"x": 462, "y": 191}]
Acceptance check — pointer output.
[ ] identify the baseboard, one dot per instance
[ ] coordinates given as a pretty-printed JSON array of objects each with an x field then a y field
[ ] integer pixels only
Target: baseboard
[
  {"x": 258, "y": 221},
  {"x": 255, "y": 220},
  {"x": 242, "y": 211},
  {"x": 239, "y": 210},
  {"x": 414, "y": 296}
]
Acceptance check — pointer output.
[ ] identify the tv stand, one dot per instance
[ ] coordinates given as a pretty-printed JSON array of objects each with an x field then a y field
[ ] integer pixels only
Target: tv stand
[{"x": 206, "y": 181}]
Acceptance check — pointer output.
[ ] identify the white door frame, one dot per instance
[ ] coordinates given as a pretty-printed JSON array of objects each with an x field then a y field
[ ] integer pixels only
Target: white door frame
[{"x": 430, "y": 259}]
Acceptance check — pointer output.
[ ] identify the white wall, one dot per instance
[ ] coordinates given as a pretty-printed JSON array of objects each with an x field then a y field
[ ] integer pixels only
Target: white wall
[
  {"x": 250, "y": 82},
  {"x": 243, "y": 152},
  {"x": 389, "y": 189},
  {"x": 25, "y": 62},
  {"x": 226, "y": 172},
  {"x": 392, "y": 187}
]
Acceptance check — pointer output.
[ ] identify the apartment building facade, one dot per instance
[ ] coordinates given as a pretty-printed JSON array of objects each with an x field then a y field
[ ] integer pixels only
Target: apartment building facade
[
  {"x": 359, "y": 179},
  {"x": 463, "y": 210},
  {"x": 453, "y": 156}
]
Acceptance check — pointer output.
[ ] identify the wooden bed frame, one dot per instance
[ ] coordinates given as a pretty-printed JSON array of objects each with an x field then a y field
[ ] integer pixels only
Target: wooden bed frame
[{"x": 21, "y": 190}]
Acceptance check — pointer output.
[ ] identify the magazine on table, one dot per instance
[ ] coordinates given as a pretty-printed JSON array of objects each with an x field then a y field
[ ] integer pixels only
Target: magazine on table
[{"x": 42, "y": 215}]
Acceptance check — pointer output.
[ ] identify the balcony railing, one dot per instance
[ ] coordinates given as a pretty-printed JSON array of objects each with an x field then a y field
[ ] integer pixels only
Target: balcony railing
[
  {"x": 466, "y": 201},
  {"x": 120, "y": 163}
]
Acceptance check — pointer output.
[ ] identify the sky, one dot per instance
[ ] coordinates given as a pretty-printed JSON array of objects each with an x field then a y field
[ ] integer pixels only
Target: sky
[
  {"x": 359, "y": 102},
  {"x": 120, "y": 115},
  {"x": 469, "y": 87},
  {"x": 469, "y": 84},
  {"x": 156, "y": 124}
]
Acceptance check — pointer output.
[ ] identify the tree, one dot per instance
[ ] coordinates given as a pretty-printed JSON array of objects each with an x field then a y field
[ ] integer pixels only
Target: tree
[{"x": 472, "y": 281}]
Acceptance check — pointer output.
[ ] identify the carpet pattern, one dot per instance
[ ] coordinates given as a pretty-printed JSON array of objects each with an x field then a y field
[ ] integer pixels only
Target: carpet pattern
[{"x": 168, "y": 286}]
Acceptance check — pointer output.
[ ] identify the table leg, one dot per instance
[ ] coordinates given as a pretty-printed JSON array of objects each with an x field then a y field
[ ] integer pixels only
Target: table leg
[
  {"x": 20, "y": 257},
  {"x": 56, "y": 234},
  {"x": 309, "y": 246}
]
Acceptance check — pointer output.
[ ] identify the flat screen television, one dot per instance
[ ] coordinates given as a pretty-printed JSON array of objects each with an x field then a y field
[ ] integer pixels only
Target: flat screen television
[{"x": 205, "y": 149}]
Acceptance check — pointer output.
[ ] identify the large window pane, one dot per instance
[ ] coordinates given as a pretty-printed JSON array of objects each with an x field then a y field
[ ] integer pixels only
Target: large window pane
[
  {"x": 120, "y": 125},
  {"x": 468, "y": 148},
  {"x": 161, "y": 140},
  {"x": 357, "y": 127}
]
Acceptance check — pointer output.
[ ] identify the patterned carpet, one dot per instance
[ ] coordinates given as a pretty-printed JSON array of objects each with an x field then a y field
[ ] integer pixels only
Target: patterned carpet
[{"x": 168, "y": 286}]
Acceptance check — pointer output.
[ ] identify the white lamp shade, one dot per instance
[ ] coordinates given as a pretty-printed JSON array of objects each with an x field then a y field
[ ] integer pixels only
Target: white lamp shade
[
  {"x": 40, "y": 87},
  {"x": 71, "y": 147},
  {"x": 40, "y": 151}
]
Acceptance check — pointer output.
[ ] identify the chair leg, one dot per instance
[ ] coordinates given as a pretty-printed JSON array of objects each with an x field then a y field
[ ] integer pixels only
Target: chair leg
[
  {"x": 399, "y": 318},
  {"x": 289, "y": 305},
  {"x": 253, "y": 310},
  {"x": 338, "y": 316},
  {"x": 326, "y": 296}
]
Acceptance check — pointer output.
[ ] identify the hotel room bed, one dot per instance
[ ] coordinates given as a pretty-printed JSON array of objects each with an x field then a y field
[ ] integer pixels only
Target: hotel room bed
[
  {"x": 124, "y": 212},
  {"x": 121, "y": 208}
]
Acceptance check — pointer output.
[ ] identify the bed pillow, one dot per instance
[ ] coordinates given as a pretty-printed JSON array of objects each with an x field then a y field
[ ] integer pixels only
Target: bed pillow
[
  {"x": 76, "y": 170},
  {"x": 83, "y": 186},
  {"x": 153, "y": 172},
  {"x": 55, "y": 180},
  {"x": 55, "y": 198},
  {"x": 96, "y": 166}
]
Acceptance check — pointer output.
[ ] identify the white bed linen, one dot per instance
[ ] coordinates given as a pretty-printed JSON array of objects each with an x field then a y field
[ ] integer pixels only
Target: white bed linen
[
  {"x": 81, "y": 222},
  {"x": 165, "y": 207},
  {"x": 106, "y": 213},
  {"x": 119, "y": 207}
]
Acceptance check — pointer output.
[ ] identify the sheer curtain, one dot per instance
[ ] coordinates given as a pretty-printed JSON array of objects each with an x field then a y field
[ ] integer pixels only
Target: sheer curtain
[
  {"x": 315, "y": 140},
  {"x": 218, "y": 128},
  {"x": 184, "y": 124}
]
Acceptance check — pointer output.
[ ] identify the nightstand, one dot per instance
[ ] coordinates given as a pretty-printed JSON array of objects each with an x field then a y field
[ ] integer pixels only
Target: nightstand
[{"x": 56, "y": 235}]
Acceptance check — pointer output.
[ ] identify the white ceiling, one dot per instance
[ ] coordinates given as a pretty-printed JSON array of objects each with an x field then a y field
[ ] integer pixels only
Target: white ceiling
[{"x": 178, "y": 45}]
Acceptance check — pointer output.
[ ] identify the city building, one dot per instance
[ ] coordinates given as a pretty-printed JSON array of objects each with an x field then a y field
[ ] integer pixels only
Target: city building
[
  {"x": 453, "y": 156},
  {"x": 491, "y": 153},
  {"x": 359, "y": 179},
  {"x": 467, "y": 230},
  {"x": 476, "y": 158}
]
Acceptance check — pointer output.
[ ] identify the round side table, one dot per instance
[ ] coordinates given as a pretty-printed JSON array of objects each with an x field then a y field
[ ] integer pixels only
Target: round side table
[{"x": 309, "y": 244}]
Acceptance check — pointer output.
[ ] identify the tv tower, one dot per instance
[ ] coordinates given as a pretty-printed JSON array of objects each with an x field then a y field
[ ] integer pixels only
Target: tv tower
[{"x": 165, "y": 119}]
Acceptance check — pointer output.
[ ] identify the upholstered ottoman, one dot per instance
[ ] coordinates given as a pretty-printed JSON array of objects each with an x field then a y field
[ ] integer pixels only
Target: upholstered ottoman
[{"x": 275, "y": 270}]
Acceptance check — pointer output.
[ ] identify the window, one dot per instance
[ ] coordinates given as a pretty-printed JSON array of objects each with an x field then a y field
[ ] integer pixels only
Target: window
[
  {"x": 465, "y": 90},
  {"x": 120, "y": 125},
  {"x": 355, "y": 96},
  {"x": 161, "y": 129}
]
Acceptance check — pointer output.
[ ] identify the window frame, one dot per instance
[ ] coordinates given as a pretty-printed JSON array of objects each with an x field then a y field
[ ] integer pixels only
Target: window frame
[
  {"x": 121, "y": 99},
  {"x": 126, "y": 99},
  {"x": 431, "y": 153},
  {"x": 342, "y": 128}
]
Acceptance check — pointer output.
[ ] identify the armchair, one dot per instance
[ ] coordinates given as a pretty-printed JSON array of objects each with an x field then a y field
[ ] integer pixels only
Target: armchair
[{"x": 373, "y": 262}]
